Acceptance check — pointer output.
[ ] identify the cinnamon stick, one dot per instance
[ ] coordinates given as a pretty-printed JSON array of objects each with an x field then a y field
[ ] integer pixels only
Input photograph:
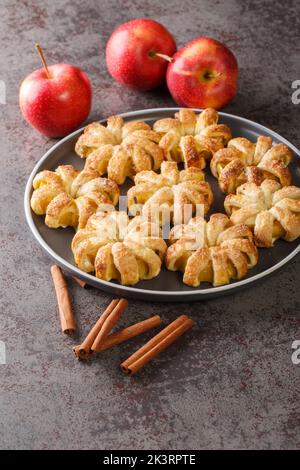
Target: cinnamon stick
[
  {"x": 67, "y": 320},
  {"x": 157, "y": 344},
  {"x": 78, "y": 281},
  {"x": 108, "y": 324},
  {"x": 84, "y": 349},
  {"x": 128, "y": 333}
]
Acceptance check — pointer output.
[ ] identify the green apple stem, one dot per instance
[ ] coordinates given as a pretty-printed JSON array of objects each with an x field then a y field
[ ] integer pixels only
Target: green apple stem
[
  {"x": 162, "y": 56},
  {"x": 41, "y": 54}
]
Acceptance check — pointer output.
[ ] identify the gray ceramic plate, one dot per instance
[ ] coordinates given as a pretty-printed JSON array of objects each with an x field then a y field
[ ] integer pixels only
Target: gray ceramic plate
[{"x": 167, "y": 286}]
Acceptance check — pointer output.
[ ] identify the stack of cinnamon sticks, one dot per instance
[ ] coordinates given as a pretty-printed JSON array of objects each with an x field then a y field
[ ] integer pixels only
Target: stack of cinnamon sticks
[{"x": 101, "y": 337}]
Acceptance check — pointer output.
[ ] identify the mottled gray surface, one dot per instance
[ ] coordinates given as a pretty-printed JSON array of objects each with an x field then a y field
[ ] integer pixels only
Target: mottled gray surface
[{"x": 230, "y": 382}]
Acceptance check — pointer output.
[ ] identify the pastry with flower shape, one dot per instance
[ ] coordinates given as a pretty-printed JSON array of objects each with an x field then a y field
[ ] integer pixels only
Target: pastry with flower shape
[
  {"x": 215, "y": 251},
  {"x": 192, "y": 138},
  {"x": 262, "y": 205},
  {"x": 271, "y": 211},
  {"x": 116, "y": 248},
  {"x": 68, "y": 197},
  {"x": 244, "y": 161},
  {"x": 171, "y": 194},
  {"x": 120, "y": 149}
]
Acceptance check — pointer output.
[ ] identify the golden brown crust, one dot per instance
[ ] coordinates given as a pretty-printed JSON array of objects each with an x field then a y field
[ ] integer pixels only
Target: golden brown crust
[
  {"x": 98, "y": 159},
  {"x": 169, "y": 193},
  {"x": 275, "y": 162},
  {"x": 68, "y": 197},
  {"x": 222, "y": 158},
  {"x": 118, "y": 249},
  {"x": 120, "y": 149},
  {"x": 251, "y": 174},
  {"x": 271, "y": 211},
  {"x": 218, "y": 132},
  {"x": 192, "y": 138},
  {"x": 61, "y": 212},
  {"x": 229, "y": 176},
  {"x": 215, "y": 251},
  {"x": 208, "y": 117},
  {"x": 193, "y": 155},
  {"x": 95, "y": 134},
  {"x": 243, "y": 161}
]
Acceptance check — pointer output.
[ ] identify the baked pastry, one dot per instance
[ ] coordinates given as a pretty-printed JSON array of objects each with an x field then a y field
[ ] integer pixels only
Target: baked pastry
[
  {"x": 265, "y": 207},
  {"x": 215, "y": 251},
  {"x": 118, "y": 249},
  {"x": 271, "y": 211},
  {"x": 192, "y": 138},
  {"x": 120, "y": 149},
  {"x": 172, "y": 193},
  {"x": 244, "y": 161},
  {"x": 69, "y": 197}
]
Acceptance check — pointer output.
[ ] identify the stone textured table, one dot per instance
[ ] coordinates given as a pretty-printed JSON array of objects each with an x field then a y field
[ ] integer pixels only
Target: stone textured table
[{"x": 231, "y": 383}]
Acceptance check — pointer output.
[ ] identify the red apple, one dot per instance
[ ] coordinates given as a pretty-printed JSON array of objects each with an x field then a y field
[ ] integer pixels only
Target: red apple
[
  {"x": 203, "y": 74},
  {"x": 57, "y": 103},
  {"x": 132, "y": 53}
]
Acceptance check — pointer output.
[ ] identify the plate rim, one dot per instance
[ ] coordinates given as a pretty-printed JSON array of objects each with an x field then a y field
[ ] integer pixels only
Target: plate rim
[{"x": 194, "y": 294}]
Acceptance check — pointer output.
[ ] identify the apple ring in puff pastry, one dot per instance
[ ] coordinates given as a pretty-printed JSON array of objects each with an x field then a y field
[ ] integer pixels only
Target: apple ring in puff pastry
[
  {"x": 120, "y": 149},
  {"x": 115, "y": 248},
  {"x": 271, "y": 211},
  {"x": 244, "y": 161},
  {"x": 192, "y": 138},
  {"x": 172, "y": 195},
  {"x": 215, "y": 251},
  {"x": 68, "y": 197}
]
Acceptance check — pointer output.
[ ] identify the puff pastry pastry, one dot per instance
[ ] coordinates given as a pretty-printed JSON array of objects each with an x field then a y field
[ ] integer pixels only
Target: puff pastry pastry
[
  {"x": 261, "y": 204},
  {"x": 271, "y": 211},
  {"x": 120, "y": 149},
  {"x": 215, "y": 251},
  {"x": 244, "y": 161},
  {"x": 69, "y": 197},
  {"x": 192, "y": 138},
  {"x": 118, "y": 249},
  {"x": 172, "y": 193}
]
